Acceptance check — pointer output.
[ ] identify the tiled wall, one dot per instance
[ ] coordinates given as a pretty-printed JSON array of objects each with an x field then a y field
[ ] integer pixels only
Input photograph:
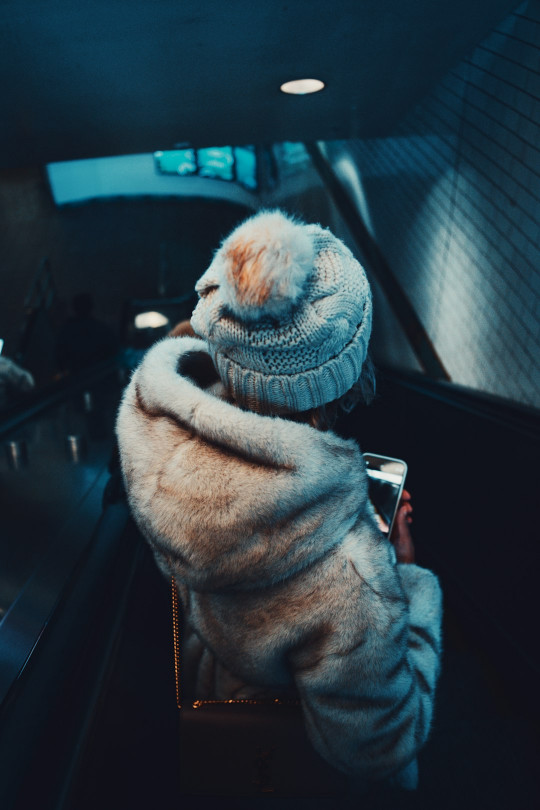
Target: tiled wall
[
  {"x": 300, "y": 191},
  {"x": 453, "y": 200}
]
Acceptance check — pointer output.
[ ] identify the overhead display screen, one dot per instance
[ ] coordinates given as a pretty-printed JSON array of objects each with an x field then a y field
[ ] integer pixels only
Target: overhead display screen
[{"x": 230, "y": 163}]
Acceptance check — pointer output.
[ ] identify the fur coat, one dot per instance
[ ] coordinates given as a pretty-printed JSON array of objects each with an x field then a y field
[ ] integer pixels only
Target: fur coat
[
  {"x": 285, "y": 580},
  {"x": 13, "y": 381}
]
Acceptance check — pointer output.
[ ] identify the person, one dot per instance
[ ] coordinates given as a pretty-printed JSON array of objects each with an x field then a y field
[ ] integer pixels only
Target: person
[
  {"x": 260, "y": 511},
  {"x": 14, "y": 381},
  {"x": 83, "y": 339}
]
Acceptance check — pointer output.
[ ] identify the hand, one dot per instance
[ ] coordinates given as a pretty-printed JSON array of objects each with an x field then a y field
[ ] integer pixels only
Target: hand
[{"x": 401, "y": 536}]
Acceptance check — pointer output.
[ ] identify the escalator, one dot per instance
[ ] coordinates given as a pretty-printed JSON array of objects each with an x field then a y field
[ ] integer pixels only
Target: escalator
[
  {"x": 88, "y": 715},
  {"x": 61, "y": 534}
]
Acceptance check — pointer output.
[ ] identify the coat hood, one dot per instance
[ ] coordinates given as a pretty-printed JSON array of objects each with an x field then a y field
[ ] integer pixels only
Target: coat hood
[{"x": 229, "y": 498}]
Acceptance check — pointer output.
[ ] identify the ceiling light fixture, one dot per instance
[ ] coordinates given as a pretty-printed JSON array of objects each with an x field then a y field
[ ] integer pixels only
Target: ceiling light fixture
[{"x": 300, "y": 87}]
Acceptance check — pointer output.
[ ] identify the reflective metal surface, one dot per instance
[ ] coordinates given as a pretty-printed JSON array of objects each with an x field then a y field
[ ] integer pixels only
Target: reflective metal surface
[
  {"x": 17, "y": 453},
  {"x": 76, "y": 447},
  {"x": 49, "y": 467}
]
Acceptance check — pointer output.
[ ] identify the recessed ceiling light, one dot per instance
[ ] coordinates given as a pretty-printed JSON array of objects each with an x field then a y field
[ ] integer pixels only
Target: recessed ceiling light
[{"x": 300, "y": 87}]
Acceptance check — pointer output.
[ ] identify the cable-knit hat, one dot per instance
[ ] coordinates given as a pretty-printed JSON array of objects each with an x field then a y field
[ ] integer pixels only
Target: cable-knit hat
[{"x": 286, "y": 311}]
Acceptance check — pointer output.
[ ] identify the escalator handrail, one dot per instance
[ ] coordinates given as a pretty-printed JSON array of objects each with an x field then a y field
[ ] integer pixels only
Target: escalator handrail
[
  {"x": 511, "y": 415},
  {"x": 53, "y": 393}
]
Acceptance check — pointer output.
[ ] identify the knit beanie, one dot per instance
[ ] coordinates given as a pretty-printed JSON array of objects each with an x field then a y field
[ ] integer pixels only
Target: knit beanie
[{"x": 286, "y": 311}]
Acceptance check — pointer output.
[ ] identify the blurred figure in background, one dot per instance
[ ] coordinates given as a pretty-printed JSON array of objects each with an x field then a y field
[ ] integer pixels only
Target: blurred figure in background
[
  {"x": 83, "y": 339},
  {"x": 14, "y": 380}
]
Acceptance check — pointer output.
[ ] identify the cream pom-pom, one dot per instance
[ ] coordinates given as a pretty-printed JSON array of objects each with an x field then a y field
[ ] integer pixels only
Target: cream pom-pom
[{"x": 264, "y": 265}]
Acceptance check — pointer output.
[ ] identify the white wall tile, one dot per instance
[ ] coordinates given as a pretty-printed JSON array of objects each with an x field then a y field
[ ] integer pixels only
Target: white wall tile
[{"x": 458, "y": 218}]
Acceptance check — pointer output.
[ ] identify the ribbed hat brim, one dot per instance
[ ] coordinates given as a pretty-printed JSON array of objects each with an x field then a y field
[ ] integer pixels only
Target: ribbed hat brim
[{"x": 291, "y": 393}]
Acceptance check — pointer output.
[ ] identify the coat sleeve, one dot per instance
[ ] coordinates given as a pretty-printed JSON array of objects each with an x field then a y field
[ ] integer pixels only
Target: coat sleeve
[
  {"x": 17, "y": 378},
  {"x": 368, "y": 707}
]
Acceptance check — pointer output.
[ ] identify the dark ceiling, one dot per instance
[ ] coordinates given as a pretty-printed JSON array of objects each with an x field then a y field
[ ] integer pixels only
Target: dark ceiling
[{"x": 108, "y": 77}]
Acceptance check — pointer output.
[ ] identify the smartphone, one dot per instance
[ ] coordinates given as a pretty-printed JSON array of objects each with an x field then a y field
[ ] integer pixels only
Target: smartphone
[{"x": 386, "y": 480}]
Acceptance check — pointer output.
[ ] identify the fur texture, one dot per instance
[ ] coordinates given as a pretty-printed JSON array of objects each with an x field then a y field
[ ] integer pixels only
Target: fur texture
[
  {"x": 285, "y": 581},
  {"x": 262, "y": 266}
]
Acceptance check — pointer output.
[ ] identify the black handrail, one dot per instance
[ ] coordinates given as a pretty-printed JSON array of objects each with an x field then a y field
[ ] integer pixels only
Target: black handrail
[
  {"x": 507, "y": 413},
  {"x": 40, "y": 399},
  {"x": 51, "y": 644}
]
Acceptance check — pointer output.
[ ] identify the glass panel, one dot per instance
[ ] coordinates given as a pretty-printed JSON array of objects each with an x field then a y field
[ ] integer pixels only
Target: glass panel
[
  {"x": 246, "y": 166},
  {"x": 216, "y": 161},
  {"x": 176, "y": 161}
]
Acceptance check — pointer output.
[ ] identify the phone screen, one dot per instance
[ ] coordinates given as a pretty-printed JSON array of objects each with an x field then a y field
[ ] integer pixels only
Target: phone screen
[{"x": 386, "y": 479}]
